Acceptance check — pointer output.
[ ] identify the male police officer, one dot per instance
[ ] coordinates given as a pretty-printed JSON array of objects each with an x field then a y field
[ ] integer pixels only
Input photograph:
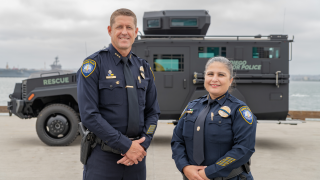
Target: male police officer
[{"x": 118, "y": 103}]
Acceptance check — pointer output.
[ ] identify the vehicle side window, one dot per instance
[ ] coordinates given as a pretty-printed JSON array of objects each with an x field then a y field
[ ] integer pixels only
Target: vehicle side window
[
  {"x": 186, "y": 22},
  {"x": 168, "y": 62},
  {"x": 209, "y": 52},
  {"x": 153, "y": 23},
  {"x": 266, "y": 52}
]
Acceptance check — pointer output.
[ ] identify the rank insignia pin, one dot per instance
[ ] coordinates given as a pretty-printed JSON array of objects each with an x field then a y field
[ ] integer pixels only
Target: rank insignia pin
[
  {"x": 198, "y": 128},
  {"x": 224, "y": 111}
]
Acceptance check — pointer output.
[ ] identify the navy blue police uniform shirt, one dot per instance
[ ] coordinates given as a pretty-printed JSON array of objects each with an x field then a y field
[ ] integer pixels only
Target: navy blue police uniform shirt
[
  {"x": 228, "y": 141},
  {"x": 103, "y": 102}
]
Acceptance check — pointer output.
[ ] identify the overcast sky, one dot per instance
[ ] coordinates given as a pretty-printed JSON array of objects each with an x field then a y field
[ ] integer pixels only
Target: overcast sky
[{"x": 34, "y": 32}]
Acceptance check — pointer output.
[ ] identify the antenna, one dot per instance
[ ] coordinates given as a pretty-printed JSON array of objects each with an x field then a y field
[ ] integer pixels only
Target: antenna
[
  {"x": 284, "y": 15},
  {"x": 85, "y": 44},
  {"x": 56, "y": 61}
]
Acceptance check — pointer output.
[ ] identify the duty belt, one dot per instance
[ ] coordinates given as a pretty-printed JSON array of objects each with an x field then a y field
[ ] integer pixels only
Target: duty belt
[
  {"x": 234, "y": 172},
  {"x": 105, "y": 147}
]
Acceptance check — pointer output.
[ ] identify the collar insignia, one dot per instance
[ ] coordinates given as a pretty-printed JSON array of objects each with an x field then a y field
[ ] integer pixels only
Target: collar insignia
[
  {"x": 221, "y": 97},
  {"x": 117, "y": 55}
]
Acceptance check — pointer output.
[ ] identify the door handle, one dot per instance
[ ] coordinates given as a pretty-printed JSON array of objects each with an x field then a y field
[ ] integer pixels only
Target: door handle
[
  {"x": 277, "y": 78},
  {"x": 184, "y": 83}
]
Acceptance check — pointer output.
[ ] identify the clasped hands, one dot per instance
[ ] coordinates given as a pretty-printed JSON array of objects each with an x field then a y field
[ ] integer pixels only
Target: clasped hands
[
  {"x": 195, "y": 172},
  {"x": 134, "y": 154}
]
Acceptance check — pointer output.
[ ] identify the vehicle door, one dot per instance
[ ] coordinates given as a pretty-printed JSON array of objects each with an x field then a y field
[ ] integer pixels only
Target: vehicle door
[{"x": 171, "y": 67}]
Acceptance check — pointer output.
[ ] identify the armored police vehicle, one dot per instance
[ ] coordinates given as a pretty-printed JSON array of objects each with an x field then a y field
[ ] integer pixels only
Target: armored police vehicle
[{"x": 177, "y": 48}]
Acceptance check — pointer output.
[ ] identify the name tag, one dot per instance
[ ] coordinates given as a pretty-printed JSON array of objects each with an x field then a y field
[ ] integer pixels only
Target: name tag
[{"x": 111, "y": 77}]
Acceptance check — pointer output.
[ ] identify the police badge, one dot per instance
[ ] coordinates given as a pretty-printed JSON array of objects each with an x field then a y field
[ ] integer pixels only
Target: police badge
[{"x": 224, "y": 111}]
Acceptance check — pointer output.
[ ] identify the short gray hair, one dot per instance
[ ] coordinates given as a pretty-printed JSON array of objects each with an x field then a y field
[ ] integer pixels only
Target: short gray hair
[{"x": 222, "y": 60}]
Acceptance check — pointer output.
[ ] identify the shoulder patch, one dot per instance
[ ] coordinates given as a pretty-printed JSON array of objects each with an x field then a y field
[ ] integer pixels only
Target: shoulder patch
[
  {"x": 246, "y": 114},
  {"x": 88, "y": 67}
]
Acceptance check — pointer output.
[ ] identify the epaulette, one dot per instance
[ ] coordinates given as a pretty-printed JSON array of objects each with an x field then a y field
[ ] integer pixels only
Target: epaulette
[
  {"x": 141, "y": 59},
  {"x": 204, "y": 96},
  {"x": 93, "y": 55},
  {"x": 96, "y": 53},
  {"x": 235, "y": 100},
  {"x": 194, "y": 102},
  {"x": 134, "y": 54},
  {"x": 232, "y": 98}
]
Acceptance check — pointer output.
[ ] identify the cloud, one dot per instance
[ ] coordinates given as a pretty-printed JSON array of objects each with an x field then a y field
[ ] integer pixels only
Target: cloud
[{"x": 33, "y": 32}]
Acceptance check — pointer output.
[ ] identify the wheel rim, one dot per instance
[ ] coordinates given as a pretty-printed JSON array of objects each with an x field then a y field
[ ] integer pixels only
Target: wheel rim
[{"x": 57, "y": 126}]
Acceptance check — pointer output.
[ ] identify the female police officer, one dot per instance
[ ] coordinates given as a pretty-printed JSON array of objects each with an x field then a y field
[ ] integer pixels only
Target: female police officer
[{"x": 215, "y": 136}]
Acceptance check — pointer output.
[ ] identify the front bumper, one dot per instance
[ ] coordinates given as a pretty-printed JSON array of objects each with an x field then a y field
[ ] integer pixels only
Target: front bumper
[{"x": 16, "y": 106}]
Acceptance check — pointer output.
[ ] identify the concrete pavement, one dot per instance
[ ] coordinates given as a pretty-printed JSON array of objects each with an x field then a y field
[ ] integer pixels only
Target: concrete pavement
[{"x": 282, "y": 152}]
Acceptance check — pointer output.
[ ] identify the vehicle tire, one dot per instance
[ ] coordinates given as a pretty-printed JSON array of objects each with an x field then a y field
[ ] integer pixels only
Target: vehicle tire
[{"x": 57, "y": 125}]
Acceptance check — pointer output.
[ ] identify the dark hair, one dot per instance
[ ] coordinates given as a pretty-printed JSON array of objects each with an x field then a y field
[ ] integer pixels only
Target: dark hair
[
  {"x": 122, "y": 12},
  {"x": 222, "y": 60}
]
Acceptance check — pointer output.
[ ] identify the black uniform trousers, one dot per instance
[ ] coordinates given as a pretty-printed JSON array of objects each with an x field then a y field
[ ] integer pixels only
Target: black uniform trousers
[{"x": 103, "y": 165}]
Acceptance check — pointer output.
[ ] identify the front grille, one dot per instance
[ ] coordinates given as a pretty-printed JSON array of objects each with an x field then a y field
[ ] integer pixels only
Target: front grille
[
  {"x": 9, "y": 106},
  {"x": 24, "y": 90}
]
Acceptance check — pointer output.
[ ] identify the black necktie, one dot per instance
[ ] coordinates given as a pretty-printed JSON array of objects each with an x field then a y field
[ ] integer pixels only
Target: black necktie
[
  {"x": 133, "y": 106},
  {"x": 198, "y": 139}
]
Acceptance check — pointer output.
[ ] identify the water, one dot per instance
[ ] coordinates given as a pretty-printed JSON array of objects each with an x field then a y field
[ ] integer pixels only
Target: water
[
  {"x": 303, "y": 95},
  {"x": 7, "y": 87}
]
